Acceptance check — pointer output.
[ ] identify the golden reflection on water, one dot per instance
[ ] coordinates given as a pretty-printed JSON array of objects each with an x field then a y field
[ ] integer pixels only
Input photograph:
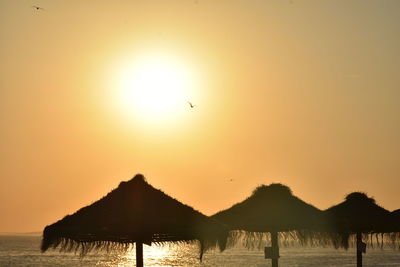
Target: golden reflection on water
[
  {"x": 157, "y": 255},
  {"x": 151, "y": 254}
]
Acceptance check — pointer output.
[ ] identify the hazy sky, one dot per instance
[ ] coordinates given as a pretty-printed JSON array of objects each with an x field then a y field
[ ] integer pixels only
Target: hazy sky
[{"x": 306, "y": 93}]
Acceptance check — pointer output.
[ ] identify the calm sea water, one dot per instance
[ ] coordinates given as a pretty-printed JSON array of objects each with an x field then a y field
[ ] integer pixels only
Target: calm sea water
[{"x": 24, "y": 251}]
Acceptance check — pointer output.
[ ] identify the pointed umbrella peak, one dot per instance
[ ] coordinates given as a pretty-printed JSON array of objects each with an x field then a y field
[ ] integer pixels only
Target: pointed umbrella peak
[
  {"x": 275, "y": 189},
  {"x": 138, "y": 178},
  {"x": 138, "y": 181},
  {"x": 360, "y": 197}
]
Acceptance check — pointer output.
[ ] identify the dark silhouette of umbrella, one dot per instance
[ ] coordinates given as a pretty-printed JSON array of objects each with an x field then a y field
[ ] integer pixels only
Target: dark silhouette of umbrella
[
  {"x": 135, "y": 212},
  {"x": 356, "y": 216},
  {"x": 272, "y": 209}
]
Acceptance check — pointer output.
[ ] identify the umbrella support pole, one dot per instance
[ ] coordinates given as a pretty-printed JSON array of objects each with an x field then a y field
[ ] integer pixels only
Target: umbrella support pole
[
  {"x": 139, "y": 254},
  {"x": 275, "y": 248},
  {"x": 359, "y": 249}
]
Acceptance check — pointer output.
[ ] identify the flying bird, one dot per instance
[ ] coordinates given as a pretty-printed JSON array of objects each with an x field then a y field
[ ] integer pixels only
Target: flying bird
[
  {"x": 191, "y": 105},
  {"x": 38, "y": 7}
]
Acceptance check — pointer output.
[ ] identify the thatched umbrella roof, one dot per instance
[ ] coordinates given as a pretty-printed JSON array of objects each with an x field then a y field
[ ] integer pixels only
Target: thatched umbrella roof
[
  {"x": 269, "y": 209},
  {"x": 133, "y": 212},
  {"x": 357, "y": 214}
]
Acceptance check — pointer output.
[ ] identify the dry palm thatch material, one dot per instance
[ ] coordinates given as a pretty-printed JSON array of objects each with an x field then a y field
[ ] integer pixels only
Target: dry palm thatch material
[
  {"x": 271, "y": 208},
  {"x": 133, "y": 212},
  {"x": 358, "y": 214}
]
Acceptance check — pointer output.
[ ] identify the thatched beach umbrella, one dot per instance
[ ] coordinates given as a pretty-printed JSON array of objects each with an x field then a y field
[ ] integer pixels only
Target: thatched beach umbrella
[
  {"x": 357, "y": 215},
  {"x": 135, "y": 212},
  {"x": 271, "y": 209}
]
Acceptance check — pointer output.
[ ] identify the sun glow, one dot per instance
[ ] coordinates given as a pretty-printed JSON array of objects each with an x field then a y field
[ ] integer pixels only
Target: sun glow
[
  {"x": 154, "y": 255},
  {"x": 155, "y": 88}
]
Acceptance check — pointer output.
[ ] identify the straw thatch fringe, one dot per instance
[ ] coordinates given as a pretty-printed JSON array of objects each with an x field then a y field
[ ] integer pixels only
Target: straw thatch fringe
[
  {"x": 393, "y": 240},
  {"x": 258, "y": 240},
  {"x": 348, "y": 240},
  {"x": 84, "y": 248},
  {"x": 250, "y": 240}
]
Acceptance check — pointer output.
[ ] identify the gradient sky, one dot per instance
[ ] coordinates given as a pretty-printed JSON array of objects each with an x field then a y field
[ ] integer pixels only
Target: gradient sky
[{"x": 306, "y": 93}]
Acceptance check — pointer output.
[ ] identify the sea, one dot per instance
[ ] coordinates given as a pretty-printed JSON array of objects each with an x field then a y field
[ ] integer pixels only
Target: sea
[{"x": 20, "y": 250}]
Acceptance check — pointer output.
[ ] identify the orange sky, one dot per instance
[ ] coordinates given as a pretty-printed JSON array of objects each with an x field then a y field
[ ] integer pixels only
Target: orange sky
[{"x": 304, "y": 93}]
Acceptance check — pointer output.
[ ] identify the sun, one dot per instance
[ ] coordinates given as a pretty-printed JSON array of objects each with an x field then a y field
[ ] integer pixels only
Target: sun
[{"x": 155, "y": 87}]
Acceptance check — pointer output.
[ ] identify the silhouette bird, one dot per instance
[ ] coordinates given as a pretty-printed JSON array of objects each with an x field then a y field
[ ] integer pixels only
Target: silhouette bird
[
  {"x": 38, "y": 7},
  {"x": 231, "y": 180},
  {"x": 191, "y": 105}
]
